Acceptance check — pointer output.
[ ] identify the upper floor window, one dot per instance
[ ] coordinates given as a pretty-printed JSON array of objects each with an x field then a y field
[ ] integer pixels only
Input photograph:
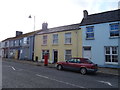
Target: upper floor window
[
  {"x": 11, "y": 43},
  {"x": 14, "y": 43},
  {"x": 20, "y": 42},
  {"x": 55, "y": 38},
  {"x": 6, "y": 44},
  {"x": 26, "y": 40},
  {"x": 114, "y": 30},
  {"x": 45, "y": 40},
  {"x": 68, "y": 38},
  {"x": 90, "y": 32}
]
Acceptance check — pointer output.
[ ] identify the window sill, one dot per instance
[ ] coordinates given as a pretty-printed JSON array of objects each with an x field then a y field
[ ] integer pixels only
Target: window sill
[
  {"x": 113, "y": 63},
  {"x": 116, "y": 37},
  {"x": 54, "y": 44},
  {"x": 43, "y": 45},
  {"x": 90, "y": 38},
  {"x": 68, "y": 44}
]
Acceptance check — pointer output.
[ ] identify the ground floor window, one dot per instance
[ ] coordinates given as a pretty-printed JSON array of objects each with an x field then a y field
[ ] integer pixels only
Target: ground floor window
[
  {"x": 111, "y": 54},
  {"x": 68, "y": 54},
  {"x": 45, "y": 52}
]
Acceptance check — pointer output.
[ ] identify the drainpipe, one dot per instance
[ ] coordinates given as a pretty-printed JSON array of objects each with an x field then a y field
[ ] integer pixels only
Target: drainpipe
[{"x": 77, "y": 43}]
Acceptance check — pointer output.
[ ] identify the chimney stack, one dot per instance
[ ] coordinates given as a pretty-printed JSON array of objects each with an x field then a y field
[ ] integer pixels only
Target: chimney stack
[
  {"x": 85, "y": 13},
  {"x": 18, "y": 33},
  {"x": 44, "y": 26}
]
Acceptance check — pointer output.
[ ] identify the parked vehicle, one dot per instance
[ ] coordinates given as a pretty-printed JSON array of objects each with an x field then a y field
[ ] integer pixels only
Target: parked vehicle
[{"x": 83, "y": 65}]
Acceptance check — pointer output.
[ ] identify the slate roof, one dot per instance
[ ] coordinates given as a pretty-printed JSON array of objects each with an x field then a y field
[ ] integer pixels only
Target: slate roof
[
  {"x": 21, "y": 36},
  {"x": 7, "y": 39},
  {"x": 49, "y": 30},
  {"x": 60, "y": 29},
  {"x": 103, "y": 17}
]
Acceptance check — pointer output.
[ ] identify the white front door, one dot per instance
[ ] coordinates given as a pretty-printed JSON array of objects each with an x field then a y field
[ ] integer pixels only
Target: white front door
[{"x": 87, "y": 52}]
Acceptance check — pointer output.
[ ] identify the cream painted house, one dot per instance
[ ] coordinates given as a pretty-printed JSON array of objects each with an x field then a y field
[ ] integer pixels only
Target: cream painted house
[{"x": 60, "y": 43}]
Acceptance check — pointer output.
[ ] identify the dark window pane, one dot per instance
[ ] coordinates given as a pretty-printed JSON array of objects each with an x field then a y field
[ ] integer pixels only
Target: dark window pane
[
  {"x": 114, "y": 50},
  {"x": 107, "y": 50},
  {"x": 87, "y": 48},
  {"x": 114, "y": 33},
  {"x": 90, "y": 35},
  {"x": 107, "y": 58},
  {"x": 114, "y": 58},
  {"x": 89, "y": 29},
  {"x": 67, "y": 57}
]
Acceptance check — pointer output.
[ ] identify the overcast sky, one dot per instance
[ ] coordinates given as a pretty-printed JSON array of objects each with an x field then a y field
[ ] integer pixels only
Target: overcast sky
[{"x": 14, "y": 13}]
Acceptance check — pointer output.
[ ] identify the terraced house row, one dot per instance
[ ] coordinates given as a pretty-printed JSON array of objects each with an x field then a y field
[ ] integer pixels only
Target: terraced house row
[{"x": 96, "y": 37}]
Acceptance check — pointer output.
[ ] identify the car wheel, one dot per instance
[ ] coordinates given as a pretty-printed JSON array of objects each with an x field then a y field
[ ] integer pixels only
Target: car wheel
[
  {"x": 59, "y": 67},
  {"x": 83, "y": 71}
]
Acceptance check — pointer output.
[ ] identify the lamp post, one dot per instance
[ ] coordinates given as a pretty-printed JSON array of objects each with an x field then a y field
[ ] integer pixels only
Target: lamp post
[{"x": 34, "y": 21}]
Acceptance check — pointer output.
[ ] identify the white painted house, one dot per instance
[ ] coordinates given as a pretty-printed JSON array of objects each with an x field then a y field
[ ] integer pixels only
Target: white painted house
[{"x": 100, "y": 34}]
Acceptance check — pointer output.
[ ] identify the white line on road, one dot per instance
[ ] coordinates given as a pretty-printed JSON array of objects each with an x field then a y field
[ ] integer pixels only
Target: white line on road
[
  {"x": 106, "y": 83},
  {"x": 13, "y": 68},
  {"x": 59, "y": 81}
]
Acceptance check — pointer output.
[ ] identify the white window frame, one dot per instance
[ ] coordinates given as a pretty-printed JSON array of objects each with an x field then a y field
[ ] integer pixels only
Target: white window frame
[
  {"x": 68, "y": 38},
  {"x": 90, "y": 32},
  {"x": 67, "y": 54},
  {"x": 55, "y": 39},
  {"x": 44, "y": 39},
  {"x": 111, "y": 54}
]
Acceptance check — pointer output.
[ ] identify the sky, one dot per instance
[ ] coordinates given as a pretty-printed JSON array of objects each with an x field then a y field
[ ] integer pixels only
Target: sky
[{"x": 14, "y": 13}]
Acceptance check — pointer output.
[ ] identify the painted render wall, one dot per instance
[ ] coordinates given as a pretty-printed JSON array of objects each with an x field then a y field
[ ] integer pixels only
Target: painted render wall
[
  {"x": 102, "y": 38},
  {"x": 27, "y": 50},
  {"x": 61, "y": 47}
]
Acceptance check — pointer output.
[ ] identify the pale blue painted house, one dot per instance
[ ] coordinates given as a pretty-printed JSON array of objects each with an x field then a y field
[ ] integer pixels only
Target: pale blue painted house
[{"x": 100, "y": 35}]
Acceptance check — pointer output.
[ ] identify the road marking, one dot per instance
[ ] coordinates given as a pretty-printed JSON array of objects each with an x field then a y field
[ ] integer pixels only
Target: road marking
[
  {"x": 59, "y": 81},
  {"x": 13, "y": 68},
  {"x": 106, "y": 83},
  {"x": 42, "y": 76}
]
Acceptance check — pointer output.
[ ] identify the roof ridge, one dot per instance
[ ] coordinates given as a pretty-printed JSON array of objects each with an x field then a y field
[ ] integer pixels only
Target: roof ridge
[{"x": 104, "y": 12}]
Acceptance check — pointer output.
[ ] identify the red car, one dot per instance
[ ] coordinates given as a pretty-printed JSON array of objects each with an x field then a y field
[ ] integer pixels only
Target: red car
[{"x": 83, "y": 65}]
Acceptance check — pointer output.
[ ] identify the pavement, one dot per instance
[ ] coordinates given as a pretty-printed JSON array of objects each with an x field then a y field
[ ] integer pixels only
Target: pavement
[{"x": 112, "y": 71}]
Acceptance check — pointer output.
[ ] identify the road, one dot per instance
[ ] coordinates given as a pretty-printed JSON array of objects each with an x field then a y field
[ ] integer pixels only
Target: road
[{"x": 19, "y": 75}]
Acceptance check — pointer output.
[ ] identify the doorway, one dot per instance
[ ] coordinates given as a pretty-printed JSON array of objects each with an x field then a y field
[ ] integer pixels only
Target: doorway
[
  {"x": 87, "y": 52},
  {"x": 55, "y": 56}
]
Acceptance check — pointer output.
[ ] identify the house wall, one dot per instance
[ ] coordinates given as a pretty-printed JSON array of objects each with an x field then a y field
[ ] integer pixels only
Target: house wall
[
  {"x": 21, "y": 50},
  {"x": 76, "y": 45},
  {"x": 102, "y": 38},
  {"x": 26, "y": 51}
]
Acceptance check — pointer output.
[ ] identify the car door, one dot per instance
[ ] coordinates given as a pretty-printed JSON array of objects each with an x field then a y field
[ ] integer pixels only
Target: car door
[
  {"x": 76, "y": 65},
  {"x": 69, "y": 64}
]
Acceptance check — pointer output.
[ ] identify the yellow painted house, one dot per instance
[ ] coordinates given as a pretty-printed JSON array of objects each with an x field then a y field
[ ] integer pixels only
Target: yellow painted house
[{"x": 60, "y": 43}]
